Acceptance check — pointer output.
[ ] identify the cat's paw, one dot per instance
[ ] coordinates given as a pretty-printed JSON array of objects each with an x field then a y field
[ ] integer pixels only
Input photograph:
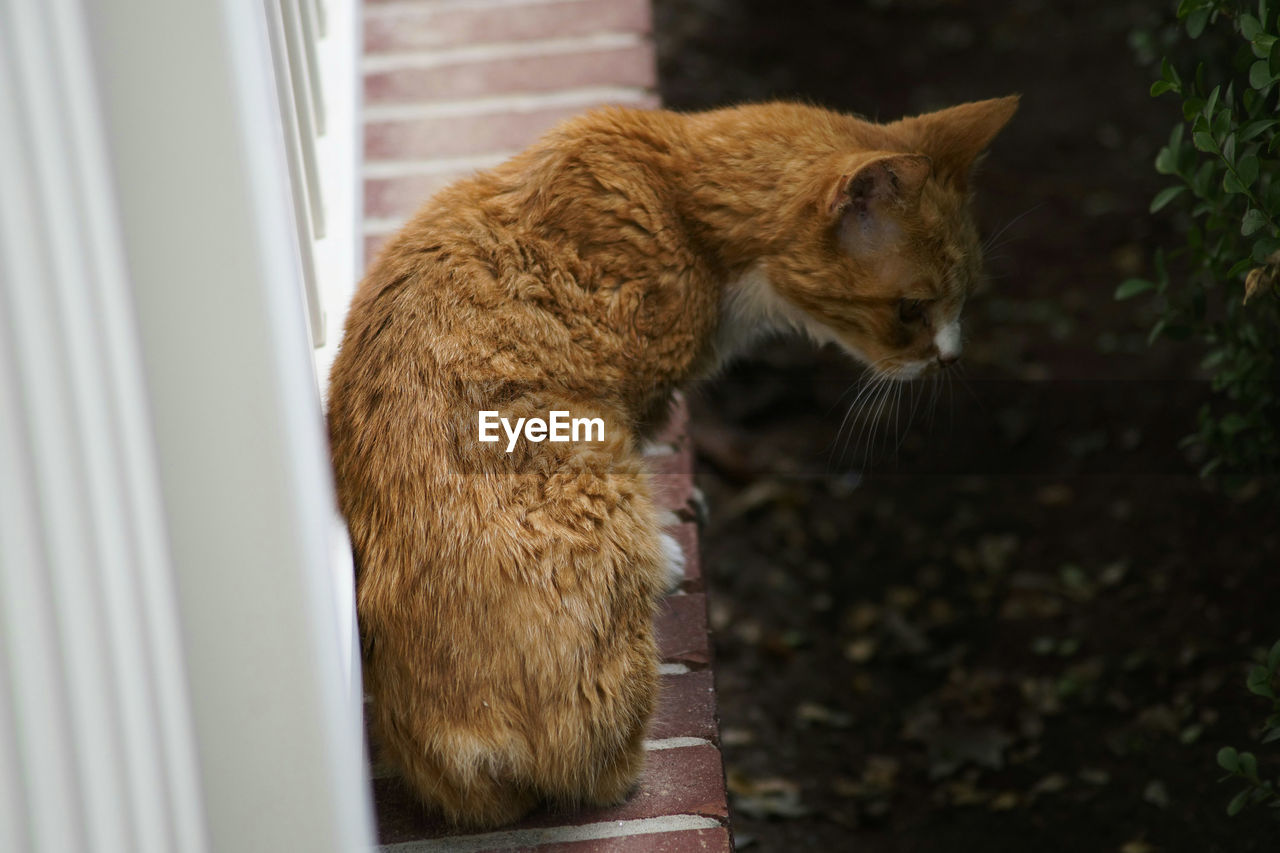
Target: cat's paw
[{"x": 674, "y": 558}]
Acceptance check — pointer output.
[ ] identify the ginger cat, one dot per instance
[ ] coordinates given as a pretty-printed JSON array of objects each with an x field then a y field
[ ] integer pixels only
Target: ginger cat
[{"x": 506, "y": 598}]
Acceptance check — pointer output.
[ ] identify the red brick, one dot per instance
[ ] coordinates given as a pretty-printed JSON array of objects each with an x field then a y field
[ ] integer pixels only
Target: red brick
[
  {"x": 687, "y": 841},
  {"x": 672, "y": 478},
  {"x": 681, "y": 625},
  {"x": 399, "y": 197},
  {"x": 372, "y": 243},
  {"x": 686, "y": 707},
  {"x": 399, "y": 815},
  {"x": 467, "y": 135},
  {"x": 684, "y": 781},
  {"x": 688, "y": 780},
  {"x": 632, "y": 65},
  {"x": 686, "y": 533},
  {"x": 426, "y": 26},
  {"x": 675, "y": 431}
]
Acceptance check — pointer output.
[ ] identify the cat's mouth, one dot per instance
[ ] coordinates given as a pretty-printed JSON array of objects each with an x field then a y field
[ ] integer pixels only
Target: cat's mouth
[
  {"x": 906, "y": 370},
  {"x": 912, "y": 370}
]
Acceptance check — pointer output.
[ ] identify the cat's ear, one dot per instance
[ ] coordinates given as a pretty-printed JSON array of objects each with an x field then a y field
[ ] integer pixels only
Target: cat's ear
[
  {"x": 956, "y": 137},
  {"x": 889, "y": 180},
  {"x": 865, "y": 199}
]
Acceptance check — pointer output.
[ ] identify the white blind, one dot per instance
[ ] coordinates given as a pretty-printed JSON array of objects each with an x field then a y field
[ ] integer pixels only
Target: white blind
[{"x": 293, "y": 31}]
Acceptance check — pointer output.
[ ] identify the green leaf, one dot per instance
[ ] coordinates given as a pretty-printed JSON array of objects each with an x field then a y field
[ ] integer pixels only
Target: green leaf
[
  {"x": 1156, "y": 330},
  {"x": 1240, "y": 267},
  {"x": 1249, "y": 765},
  {"x": 1238, "y": 802},
  {"x": 1248, "y": 169},
  {"x": 1196, "y": 22},
  {"x": 1273, "y": 195},
  {"x": 1212, "y": 102},
  {"x": 1222, "y": 122},
  {"x": 1168, "y": 72},
  {"x": 1259, "y": 682},
  {"x": 1264, "y": 248},
  {"x": 1232, "y": 184},
  {"x": 1229, "y": 759},
  {"x": 1203, "y": 178},
  {"x": 1205, "y": 142},
  {"x": 1273, "y": 657},
  {"x": 1167, "y": 161},
  {"x": 1253, "y": 128},
  {"x": 1165, "y": 196},
  {"x": 1253, "y": 221},
  {"x": 1229, "y": 150},
  {"x": 1233, "y": 422},
  {"x": 1160, "y": 87},
  {"x": 1249, "y": 26},
  {"x": 1273, "y": 59},
  {"x": 1132, "y": 287},
  {"x": 1260, "y": 74}
]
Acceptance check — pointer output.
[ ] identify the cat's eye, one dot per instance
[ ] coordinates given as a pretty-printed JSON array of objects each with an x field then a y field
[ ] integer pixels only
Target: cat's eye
[{"x": 913, "y": 311}]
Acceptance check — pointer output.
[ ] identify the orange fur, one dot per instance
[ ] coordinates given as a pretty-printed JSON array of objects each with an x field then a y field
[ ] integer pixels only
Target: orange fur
[{"x": 506, "y": 600}]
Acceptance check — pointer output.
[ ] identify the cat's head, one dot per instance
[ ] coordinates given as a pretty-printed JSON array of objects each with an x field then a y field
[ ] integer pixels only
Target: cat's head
[{"x": 891, "y": 251}]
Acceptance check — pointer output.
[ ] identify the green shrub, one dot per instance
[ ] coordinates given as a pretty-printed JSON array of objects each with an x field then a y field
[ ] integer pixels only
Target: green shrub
[
  {"x": 1243, "y": 766},
  {"x": 1219, "y": 288}
]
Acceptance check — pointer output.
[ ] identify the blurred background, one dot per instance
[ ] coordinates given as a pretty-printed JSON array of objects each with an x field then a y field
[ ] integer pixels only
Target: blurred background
[{"x": 1005, "y": 608}]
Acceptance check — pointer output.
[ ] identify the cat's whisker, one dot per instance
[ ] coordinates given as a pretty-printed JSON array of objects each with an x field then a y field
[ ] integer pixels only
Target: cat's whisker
[
  {"x": 933, "y": 401},
  {"x": 867, "y": 372},
  {"x": 843, "y": 394},
  {"x": 870, "y": 379},
  {"x": 876, "y": 419},
  {"x": 951, "y": 404},
  {"x": 898, "y": 422},
  {"x": 867, "y": 427},
  {"x": 964, "y": 382},
  {"x": 911, "y": 417},
  {"x": 864, "y": 392},
  {"x": 990, "y": 242},
  {"x": 856, "y": 410},
  {"x": 866, "y": 414},
  {"x": 831, "y": 447}
]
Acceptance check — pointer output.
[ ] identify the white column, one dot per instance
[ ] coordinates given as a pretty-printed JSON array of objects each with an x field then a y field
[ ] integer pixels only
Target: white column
[
  {"x": 97, "y": 750},
  {"x": 175, "y": 663}
]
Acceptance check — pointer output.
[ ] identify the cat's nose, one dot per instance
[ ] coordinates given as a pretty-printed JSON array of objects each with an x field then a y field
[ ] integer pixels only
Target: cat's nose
[{"x": 947, "y": 344}]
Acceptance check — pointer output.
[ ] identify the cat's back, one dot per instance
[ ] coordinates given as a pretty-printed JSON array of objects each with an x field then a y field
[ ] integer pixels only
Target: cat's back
[{"x": 526, "y": 269}]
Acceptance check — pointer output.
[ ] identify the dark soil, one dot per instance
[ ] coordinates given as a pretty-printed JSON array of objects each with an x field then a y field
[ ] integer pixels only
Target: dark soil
[{"x": 1016, "y": 620}]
